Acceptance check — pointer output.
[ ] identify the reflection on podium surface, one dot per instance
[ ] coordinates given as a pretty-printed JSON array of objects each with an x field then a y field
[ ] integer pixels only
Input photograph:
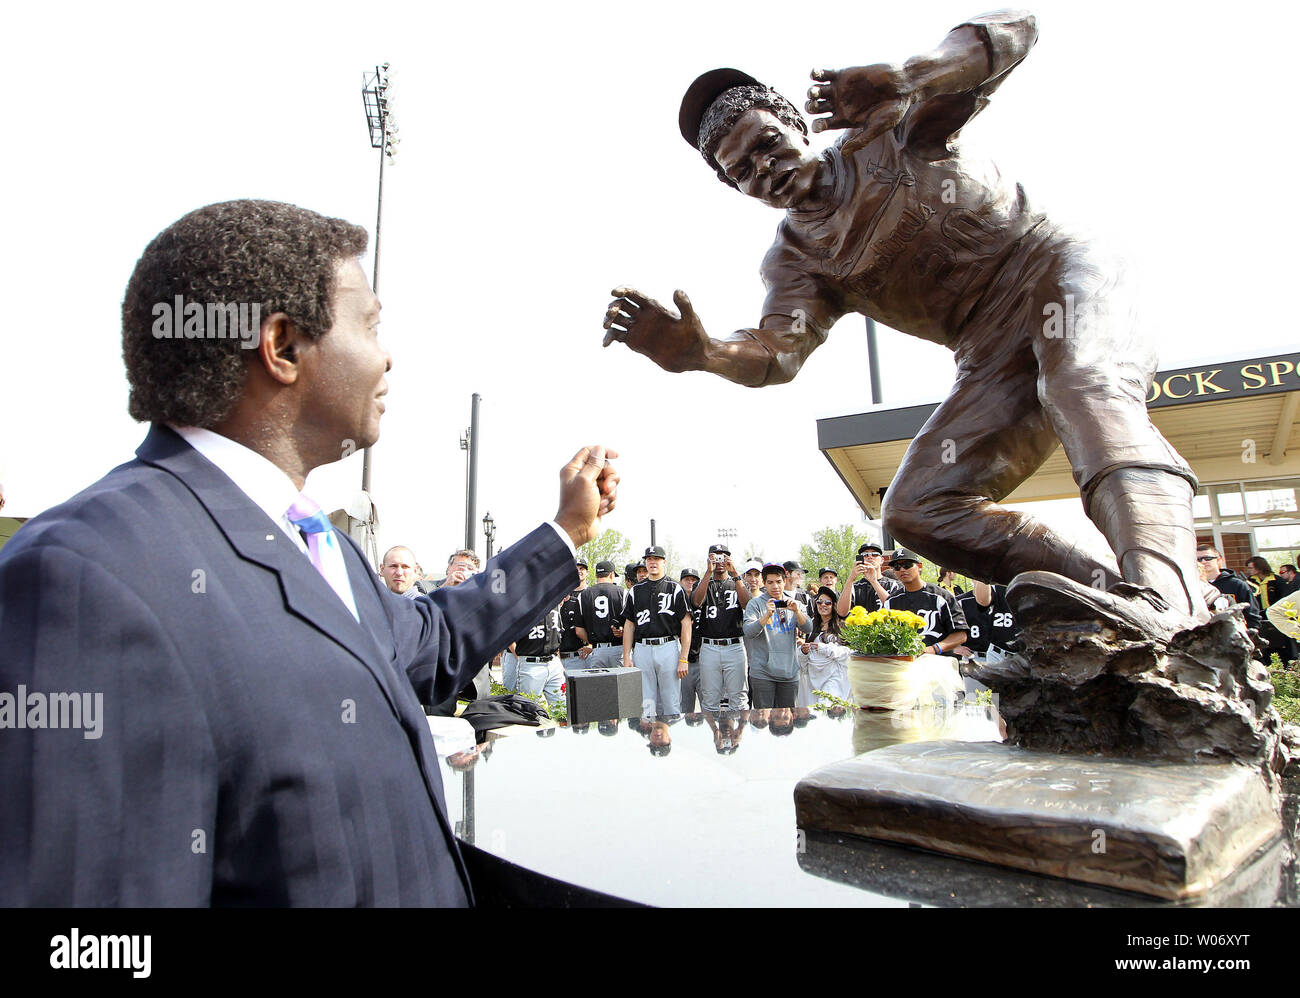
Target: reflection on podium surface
[{"x": 680, "y": 806}]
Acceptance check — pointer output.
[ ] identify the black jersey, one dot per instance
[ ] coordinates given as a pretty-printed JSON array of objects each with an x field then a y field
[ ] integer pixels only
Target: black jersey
[
  {"x": 569, "y": 620},
  {"x": 994, "y": 624},
  {"x": 723, "y": 613},
  {"x": 864, "y": 594},
  {"x": 938, "y": 607},
  {"x": 542, "y": 639},
  {"x": 658, "y": 609},
  {"x": 697, "y": 613},
  {"x": 601, "y": 608}
]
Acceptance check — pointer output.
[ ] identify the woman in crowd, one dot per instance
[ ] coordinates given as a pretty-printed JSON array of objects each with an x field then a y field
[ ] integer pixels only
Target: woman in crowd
[
  {"x": 828, "y": 655},
  {"x": 1270, "y": 589}
]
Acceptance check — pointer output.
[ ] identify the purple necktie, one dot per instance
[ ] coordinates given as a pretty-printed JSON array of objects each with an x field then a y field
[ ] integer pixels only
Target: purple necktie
[{"x": 323, "y": 548}]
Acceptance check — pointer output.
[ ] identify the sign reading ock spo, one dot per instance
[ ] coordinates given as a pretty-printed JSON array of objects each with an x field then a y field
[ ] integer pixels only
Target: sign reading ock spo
[{"x": 1239, "y": 379}]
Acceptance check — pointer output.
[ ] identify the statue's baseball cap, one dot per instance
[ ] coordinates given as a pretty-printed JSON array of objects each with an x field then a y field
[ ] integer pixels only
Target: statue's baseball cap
[{"x": 707, "y": 88}]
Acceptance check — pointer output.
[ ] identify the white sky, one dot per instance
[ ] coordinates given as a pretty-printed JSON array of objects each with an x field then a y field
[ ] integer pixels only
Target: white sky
[{"x": 541, "y": 166}]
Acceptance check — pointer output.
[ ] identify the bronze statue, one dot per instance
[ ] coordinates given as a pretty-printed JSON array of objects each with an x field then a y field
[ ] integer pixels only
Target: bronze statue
[{"x": 892, "y": 222}]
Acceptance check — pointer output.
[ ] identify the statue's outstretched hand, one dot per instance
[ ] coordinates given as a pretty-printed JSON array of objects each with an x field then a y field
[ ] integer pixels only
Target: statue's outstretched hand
[
  {"x": 675, "y": 343},
  {"x": 871, "y": 98}
]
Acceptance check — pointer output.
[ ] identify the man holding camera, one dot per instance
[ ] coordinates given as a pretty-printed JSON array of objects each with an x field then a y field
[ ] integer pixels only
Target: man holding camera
[
  {"x": 773, "y": 620},
  {"x": 722, "y": 600},
  {"x": 867, "y": 586}
]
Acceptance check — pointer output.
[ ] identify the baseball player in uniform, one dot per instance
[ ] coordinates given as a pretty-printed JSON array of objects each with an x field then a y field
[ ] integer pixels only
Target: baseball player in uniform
[
  {"x": 867, "y": 586},
  {"x": 689, "y": 579},
  {"x": 722, "y": 601},
  {"x": 657, "y": 624},
  {"x": 945, "y": 625},
  {"x": 571, "y": 645},
  {"x": 537, "y": 670},
  {"x": 600, "y": 608},
  {"x": 990, "y": 623}
]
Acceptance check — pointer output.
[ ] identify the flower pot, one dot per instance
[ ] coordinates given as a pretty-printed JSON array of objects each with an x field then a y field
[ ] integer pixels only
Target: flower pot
[{"x": 899, "y": 682}]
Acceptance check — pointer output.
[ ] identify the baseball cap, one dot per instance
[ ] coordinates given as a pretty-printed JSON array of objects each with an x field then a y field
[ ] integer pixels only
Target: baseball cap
[
  {"x": 606, "y": 568},
  {"x": 707, "y": 88},
  {"x": 654, "y": 552},
  {"x": 823, "y": 571},
  {"x": 691, "y": 572},
  {"x": 753, "y": 565},
  {"x": 792, "y": 566},
  {"x": 719, "y": 549},
  {"x": 630, "y": 569},
  {"x": 580, "y": 563},
  {"x": 871, "y": 546},
  {"x": 902, "y": 554}
]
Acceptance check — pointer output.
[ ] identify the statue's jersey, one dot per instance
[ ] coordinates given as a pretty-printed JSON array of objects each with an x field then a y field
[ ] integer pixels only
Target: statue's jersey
[{"x": 911, "y": 233}]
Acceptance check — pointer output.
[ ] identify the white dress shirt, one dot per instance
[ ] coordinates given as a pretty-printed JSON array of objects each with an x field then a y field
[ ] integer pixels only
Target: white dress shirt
[{"x": 266, "y": 485}]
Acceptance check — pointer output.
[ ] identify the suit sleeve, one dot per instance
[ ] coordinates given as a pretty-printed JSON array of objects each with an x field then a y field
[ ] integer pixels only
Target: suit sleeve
[
  {"x": 444, "y": 638},
  {"x": 121, "y": 810}
]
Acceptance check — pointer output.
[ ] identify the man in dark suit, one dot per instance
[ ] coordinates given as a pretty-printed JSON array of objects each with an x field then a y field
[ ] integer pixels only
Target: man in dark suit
[{"x": 258, "y": 737}]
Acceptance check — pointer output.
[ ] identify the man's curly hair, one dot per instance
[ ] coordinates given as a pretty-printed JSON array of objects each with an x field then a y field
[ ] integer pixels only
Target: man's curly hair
[
  {"x": 726, "y": 110},
  {"x": 278, "y": 256}
]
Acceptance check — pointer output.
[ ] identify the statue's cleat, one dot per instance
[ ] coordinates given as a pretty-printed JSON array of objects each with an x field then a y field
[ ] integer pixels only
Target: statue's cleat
[{"x": 1134, "y": 612}]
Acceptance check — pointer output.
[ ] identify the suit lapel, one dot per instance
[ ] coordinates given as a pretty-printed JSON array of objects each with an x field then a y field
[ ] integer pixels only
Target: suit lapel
[{"x": 258, "y": 539}]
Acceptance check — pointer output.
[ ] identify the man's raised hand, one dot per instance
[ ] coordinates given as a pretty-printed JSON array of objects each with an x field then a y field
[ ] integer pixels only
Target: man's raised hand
[
  {"x": 588, "y": 491},
  {"x": 871, "y": 98},
  {"x": 674, "y": 342}
]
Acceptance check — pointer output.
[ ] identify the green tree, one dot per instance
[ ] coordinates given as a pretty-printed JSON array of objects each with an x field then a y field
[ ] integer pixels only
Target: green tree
[
  {"x": 832, "y": 547},
  {"x": 608, "y": 545}
]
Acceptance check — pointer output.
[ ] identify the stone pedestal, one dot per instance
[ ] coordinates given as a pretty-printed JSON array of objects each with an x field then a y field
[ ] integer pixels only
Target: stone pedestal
[{"x": 1171, "y": 830}]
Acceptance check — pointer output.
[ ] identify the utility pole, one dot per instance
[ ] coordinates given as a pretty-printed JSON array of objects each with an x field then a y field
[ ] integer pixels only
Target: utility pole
[{"x": 377, "y": 100}]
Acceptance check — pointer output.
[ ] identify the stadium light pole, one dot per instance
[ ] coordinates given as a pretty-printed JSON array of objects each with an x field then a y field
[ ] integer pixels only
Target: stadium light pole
[
  {"x": 873, "y": 361},
  {"x": 377, "y": 100}
]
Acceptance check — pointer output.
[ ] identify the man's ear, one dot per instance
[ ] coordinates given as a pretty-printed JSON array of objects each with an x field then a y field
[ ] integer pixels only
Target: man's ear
[{"x": 279, "y": 346}]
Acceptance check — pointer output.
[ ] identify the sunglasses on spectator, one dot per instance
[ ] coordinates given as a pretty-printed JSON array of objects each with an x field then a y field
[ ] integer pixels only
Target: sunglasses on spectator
[
  {"x": 905, "y": 564},
  {"x": 825, "y": 602},
  {"x": 1207, "y": 557}
]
